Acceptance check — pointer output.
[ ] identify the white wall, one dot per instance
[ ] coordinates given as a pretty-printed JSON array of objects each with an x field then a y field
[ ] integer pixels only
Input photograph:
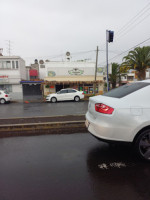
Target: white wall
[
  {"x": 16, "y": 93},
  {"x": 63, "y": 68},
  {"x": 13, "y": 76},
  {"x": 22, "y": 69}
]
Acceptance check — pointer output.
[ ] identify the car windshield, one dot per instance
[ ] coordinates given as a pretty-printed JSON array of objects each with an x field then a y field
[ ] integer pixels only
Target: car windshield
[{"x": 125, "y": 90}]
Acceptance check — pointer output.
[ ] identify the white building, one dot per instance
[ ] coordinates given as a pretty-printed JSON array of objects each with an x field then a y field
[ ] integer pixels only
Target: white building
[
  {"x": 65, "y": 68},
  {"x": 79, "y": 75},
  {"x": 12, "y": 71},
  {"x": 128, "y": 77}
]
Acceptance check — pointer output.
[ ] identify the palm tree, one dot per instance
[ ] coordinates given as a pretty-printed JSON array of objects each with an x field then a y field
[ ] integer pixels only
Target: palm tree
[
  {"x": 114, "y": 78},
  {"x": 138, "y": 59}
]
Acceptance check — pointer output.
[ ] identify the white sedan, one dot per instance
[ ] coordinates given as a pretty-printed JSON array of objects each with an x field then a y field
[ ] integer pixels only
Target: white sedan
[
  {"x": 122, "y": 114},
  {"x": 64, "y": 95},
  {"x": 4, "y": 97}
]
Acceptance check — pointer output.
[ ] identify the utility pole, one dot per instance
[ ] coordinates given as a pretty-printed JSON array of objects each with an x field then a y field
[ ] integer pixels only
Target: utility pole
[{"x": 96, "y": 68}]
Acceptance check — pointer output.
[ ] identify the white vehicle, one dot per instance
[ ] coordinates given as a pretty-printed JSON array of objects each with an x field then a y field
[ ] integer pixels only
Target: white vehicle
[
  {"x": 65, "y": 94},
  {"x": 122, "y": 114},
  {"x": 4, "y": 97}
]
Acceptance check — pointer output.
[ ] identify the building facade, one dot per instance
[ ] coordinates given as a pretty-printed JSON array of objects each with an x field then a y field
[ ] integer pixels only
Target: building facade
[
  {"x": 79, "y": 75},
  {"x": 12, "y": 71}
]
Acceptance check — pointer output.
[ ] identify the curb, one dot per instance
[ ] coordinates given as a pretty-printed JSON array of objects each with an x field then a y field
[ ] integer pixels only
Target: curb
[{"x": 66, "y": 127}]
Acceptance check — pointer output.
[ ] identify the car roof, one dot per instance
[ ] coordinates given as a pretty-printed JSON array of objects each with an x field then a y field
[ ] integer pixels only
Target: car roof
[{"x": 68, "y": 89}]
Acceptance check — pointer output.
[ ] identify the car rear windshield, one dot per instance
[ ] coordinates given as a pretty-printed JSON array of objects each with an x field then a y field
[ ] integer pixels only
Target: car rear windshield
[{"x": 125, "y": 90}]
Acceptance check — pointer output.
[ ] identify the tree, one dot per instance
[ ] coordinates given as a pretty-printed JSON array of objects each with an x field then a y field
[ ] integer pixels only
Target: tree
[
  {"x": 114, "y": 78},
  {"x": 138, "y": 59},
  {"x": 124, "y": 69}
]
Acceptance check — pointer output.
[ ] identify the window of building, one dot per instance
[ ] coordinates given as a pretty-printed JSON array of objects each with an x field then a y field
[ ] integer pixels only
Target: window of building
[
  {"x": 1, "y": 64},
  {"x": 89, "y": 89},
  {"x": 42, "y": 66},
  {"x": 16, "y": 64},
  {"x": 13, "y": 64},
  {"x": 8, "y": 64},
  {"x": 5, "y": 64}
]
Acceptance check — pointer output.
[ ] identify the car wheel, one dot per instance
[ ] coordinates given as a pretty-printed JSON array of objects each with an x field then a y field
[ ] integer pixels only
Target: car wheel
[
  {"x": 53, "y": 100},
  {"x": 142, "y": 145},
  {"x": 2, "y": 101},
  {"x": 77, "y": 98}
]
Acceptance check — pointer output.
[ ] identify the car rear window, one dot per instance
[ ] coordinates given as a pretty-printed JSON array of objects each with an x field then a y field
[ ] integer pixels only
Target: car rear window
[{"x": 125, "y": 90}]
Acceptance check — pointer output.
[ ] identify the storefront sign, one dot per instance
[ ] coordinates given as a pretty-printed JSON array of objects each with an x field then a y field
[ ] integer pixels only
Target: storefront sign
[
  {"x": 3, "y": 79},
  {"x": 76, "y": 71},
  {"x": 51, "y": 73},
  {"x": 100, "y": 70}
]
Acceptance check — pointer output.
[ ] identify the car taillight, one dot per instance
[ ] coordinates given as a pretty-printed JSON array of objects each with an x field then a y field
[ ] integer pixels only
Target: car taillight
[
  {"x": 6, "y": 95},
  {"x": 102, "y": 108},
  {"x": 83, "y": 93}
]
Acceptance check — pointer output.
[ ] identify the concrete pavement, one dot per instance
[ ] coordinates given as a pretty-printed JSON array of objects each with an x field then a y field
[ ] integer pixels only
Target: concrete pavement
[{"x": 42, "y": 125}]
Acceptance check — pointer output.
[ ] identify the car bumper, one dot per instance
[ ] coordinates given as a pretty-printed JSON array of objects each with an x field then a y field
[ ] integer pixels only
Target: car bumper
[
  {"x": 8, "y": 99},
  {"x": 47, "y": 99},
  {"x": 105, "y": 130},
  {"x": 82, "y": 97}
]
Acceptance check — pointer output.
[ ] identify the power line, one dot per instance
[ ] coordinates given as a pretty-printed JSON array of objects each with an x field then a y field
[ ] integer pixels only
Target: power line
[
  {"x": 132, "y": 20},
  {"x": 126, "y": 51},
  {"x": 60, "y": 55},
  {"x": 130, "y": 49},
  {"x": 134, "y": 26}
]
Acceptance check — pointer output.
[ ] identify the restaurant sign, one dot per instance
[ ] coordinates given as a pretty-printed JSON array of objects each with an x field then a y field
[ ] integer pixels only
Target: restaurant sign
[{"x": 76, "y": 71}]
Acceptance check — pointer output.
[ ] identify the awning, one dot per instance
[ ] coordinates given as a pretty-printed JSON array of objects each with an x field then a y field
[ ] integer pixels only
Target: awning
[{"x": 73, "y": 79}]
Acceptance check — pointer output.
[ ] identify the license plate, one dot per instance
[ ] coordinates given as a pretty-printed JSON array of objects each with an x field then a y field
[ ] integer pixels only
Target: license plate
[{"x": 87, "y": 123}]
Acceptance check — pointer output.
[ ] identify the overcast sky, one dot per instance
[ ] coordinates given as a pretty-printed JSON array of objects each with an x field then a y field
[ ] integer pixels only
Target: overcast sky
[{"x": 47, "y": 29}]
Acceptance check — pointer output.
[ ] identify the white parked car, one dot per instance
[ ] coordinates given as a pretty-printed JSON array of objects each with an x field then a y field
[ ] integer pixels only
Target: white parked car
[
  {"x": 65, "y": 94},
  {"x": 122, "y": 114},
  {"x": 4, "y": 97}
]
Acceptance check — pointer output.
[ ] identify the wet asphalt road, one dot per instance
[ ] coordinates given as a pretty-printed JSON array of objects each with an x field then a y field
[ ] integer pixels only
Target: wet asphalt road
[
  {"x": 42, "y": 109},
  {"x": 75, "y": 166}
]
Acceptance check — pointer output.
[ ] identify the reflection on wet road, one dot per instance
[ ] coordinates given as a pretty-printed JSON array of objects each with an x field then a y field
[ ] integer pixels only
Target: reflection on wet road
[
  {"x": 43, "y": 109},
  {"x": 74, "y": 166}
]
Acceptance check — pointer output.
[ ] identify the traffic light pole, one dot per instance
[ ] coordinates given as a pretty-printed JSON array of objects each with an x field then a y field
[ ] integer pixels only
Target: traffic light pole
[
  {"x": 96, "y": 70},
  {"x": 107, "y": 32},
  {"x": 96, "y": 62}
]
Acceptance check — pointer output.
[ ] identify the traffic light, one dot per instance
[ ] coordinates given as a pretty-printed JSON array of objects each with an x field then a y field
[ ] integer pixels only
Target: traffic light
[{"x": 110, "y": 36}]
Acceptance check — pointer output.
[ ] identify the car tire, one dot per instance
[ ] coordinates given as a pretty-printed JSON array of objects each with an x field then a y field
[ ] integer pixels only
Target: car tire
[
  {"x": 2, "y": 101},
  {"x": 77, "y": 98},
  {"x": 142, "y": 145},
  {"x": 53, "y": 100}
]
